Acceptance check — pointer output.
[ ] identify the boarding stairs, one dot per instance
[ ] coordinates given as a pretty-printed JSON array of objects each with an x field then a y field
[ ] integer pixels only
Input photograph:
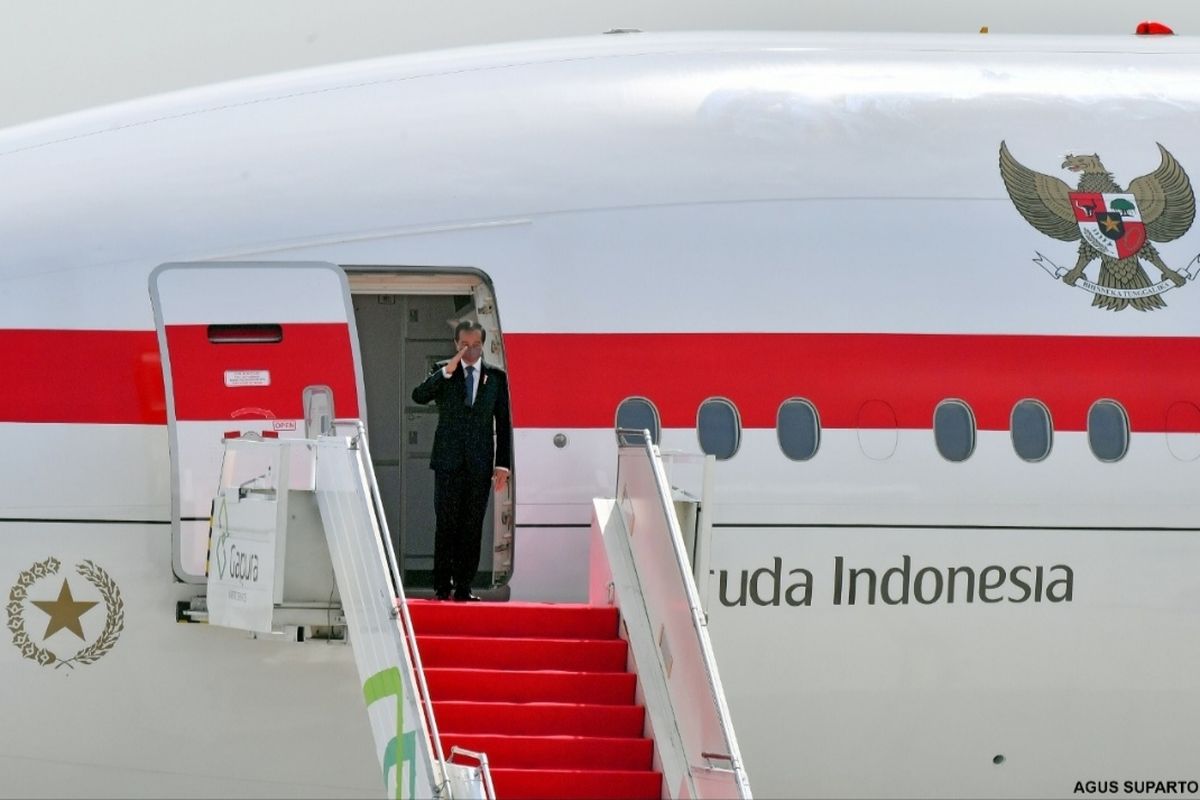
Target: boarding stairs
[
  {"x": 545, "y": 691},
  {"x": 618, "y": 697}
]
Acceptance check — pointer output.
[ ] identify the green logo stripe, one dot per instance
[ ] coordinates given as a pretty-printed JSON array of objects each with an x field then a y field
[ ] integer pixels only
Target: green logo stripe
[
  {"x": 380, "y": 686},
  {"x": 383, "y": 684}
]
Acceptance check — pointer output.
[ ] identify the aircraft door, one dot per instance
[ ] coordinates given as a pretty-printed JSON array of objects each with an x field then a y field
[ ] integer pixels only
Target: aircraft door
[
  {"x": 239, "y": 343},
  {"x": 500, "y": 521}
]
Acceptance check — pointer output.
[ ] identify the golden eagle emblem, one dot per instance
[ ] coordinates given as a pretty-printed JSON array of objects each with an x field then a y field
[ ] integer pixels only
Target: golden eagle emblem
[{"x": 1111, "y": 224}]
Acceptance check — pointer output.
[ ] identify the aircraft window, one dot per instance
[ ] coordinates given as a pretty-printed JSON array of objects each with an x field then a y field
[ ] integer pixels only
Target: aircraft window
[
  {"x": 799, "y": 429},
  {"x": 1183, "y": 425},
  {"x": 639, "y": 414},
  {"x": 878, "y": 435},
  {"x": 718, "y": 427},
  {"x": 1032, "y": 430},
  {"x": 954, "y": 430},
  {"x": 1108, "y": 430}
]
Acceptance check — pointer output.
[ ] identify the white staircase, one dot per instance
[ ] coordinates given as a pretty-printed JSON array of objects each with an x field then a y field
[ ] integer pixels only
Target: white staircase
[
  {"x": 648, "y": 574},
  {"x": 260, "y": 514},
  {"x": 282, "y": 503}
]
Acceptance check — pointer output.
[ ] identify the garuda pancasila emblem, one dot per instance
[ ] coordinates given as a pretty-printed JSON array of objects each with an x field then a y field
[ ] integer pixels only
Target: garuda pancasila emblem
[
  {"x": 1111, "y": 224},
  {"x": 64, "y": 614}
]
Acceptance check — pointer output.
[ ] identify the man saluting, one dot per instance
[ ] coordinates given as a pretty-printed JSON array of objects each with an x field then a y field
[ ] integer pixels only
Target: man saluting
[{"x": 472, "y": 449}]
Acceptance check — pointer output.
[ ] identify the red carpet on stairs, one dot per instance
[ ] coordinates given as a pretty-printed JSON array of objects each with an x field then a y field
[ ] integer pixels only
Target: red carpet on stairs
[{"x": 542, "y": 689}]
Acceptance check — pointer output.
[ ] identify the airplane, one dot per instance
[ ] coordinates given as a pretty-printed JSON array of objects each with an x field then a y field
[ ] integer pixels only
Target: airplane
[{"x": 927, "y": 299}]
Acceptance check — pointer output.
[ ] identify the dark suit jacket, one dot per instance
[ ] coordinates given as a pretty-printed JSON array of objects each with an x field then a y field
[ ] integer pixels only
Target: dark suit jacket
[{"x": 464, "y": 435}]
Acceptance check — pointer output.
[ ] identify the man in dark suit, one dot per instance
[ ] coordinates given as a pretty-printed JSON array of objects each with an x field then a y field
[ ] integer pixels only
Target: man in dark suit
[{"x": 472, "y": 450}]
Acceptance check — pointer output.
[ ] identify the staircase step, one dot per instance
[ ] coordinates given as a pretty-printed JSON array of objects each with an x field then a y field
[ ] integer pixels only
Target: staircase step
[
  {"x": 564, "y": 784},
  {"x": 571, "y": 655},
  {"x": 539, "y": 719},
  {"x": 525, "y": 620},
  {"x": 528, "y": 686},
  {"x": 541, "y": 689},
  {"x": 556, "y": 752}
]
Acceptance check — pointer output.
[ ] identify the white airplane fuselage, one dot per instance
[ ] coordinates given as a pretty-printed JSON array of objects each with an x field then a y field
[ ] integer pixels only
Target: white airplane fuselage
[{"x": 756, "y": 219}]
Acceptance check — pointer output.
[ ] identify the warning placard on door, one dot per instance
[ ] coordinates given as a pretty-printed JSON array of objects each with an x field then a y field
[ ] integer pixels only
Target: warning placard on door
[{"x": 247, "y": 377}]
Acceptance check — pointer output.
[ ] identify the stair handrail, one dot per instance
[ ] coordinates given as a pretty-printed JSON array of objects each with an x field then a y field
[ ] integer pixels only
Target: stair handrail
[
  {"x": 628, "y": 439},
  {"x": 488, "y": 788},
  {"x": 428, "y": 719}
]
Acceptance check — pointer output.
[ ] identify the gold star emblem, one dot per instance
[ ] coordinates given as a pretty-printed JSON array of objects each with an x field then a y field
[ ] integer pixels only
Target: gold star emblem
[
  {"x": 1110, "y": 224},
  {"x": 64, "y": 612}
]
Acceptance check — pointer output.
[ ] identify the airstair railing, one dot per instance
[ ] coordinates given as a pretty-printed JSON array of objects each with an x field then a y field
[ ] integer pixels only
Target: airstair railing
[
  {"x": 489, "y": 791},
  {"x": 631, "y": 443},
  {"x": 336, "y": 468},
  {"x": 428, "y": 719},
  {"x": 691, "y": 489}
]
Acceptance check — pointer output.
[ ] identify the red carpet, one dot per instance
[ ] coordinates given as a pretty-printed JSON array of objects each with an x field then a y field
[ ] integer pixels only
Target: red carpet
[{"x": 542, "y": 689}]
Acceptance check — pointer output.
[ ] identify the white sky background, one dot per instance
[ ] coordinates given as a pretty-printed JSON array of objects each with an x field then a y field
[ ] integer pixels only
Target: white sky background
[{"x": 64, "y": 55}]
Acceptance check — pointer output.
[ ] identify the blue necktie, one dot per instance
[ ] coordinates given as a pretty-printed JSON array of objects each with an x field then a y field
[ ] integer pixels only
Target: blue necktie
[{"x": 470, "y": 384}]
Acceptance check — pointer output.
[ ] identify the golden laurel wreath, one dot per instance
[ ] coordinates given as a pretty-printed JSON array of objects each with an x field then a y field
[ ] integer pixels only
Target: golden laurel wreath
[{"x": 114, "y": 622}]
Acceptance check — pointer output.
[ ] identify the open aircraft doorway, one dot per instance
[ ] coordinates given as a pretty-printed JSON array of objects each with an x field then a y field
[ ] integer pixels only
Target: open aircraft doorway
[{"x": 405, "y": 320}]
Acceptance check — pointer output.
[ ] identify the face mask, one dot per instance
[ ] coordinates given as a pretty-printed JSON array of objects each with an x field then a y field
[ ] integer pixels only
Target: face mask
[{"x": 473, "y": 353}]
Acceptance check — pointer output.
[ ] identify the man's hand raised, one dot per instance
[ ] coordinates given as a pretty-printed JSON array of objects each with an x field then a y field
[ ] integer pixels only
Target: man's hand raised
[{"x": 452, "y": 364}]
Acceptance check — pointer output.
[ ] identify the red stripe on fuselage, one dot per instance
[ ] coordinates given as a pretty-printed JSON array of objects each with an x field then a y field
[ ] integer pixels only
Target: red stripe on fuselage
[
  {"x": 577, "y": 380},
  {"x": 98, "y": 377},
  {"x": 570, "y": 380}
]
